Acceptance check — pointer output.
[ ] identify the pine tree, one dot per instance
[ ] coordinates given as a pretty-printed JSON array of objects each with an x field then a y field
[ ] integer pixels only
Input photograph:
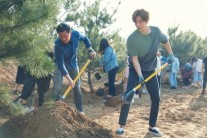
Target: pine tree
[
  {"x": 25, "y": 28},
  {"x": 186, "y": 45},
  {"x": 94, "y": 18}
]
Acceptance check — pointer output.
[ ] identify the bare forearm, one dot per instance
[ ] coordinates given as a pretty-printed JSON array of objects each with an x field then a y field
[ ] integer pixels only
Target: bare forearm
[
  {"x": 136, "y": 65},
  {"x": 168, "y": 48},
  {"x": 68, "y": 77}
]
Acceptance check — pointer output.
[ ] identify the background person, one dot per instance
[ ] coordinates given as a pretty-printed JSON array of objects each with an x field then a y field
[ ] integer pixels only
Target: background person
[
  {"x": 204, "y": 74},
  {"x": 197, "y": 72},
  {"x": 109, "y": 63},
  {"x": 186, "y": 71},
  {"x": 173, "y": 74},
  {"x": 20, "y": 79}
]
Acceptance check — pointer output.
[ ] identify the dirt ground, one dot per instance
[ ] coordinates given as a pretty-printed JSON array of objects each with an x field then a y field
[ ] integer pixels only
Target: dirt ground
[{"x": 182, "y": 114}]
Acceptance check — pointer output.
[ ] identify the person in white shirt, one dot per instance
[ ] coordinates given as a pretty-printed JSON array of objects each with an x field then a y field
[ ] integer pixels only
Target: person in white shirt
[
  {"x": 159, "y": 64},
  {"x": 197, "y": 72}
]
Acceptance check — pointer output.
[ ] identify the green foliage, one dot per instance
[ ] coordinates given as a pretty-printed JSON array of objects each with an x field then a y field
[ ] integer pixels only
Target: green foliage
[
  {"x": 6, "y": 102},
  {"x": 187, "y": 45},
  {"x": 25, "y": 27},
  {"x": 94, "y": 17}
]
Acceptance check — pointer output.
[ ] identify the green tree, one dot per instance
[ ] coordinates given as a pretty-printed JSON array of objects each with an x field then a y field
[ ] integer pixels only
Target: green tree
[
  {"x": 186, "y": 45},
  {"x": 94, "y": 18},
  {"x": 25, "y": 28}
]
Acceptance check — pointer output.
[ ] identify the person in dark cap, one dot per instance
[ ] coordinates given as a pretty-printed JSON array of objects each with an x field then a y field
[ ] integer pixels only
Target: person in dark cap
[{"x": 66, "y": 48}]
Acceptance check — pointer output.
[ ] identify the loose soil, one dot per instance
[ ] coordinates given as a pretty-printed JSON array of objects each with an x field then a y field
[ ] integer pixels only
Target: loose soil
[{"x": 182, "y": 114}]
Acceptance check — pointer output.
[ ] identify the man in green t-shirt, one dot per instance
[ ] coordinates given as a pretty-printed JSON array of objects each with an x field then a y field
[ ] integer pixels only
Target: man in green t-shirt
[{"x": 142, "y": 47}]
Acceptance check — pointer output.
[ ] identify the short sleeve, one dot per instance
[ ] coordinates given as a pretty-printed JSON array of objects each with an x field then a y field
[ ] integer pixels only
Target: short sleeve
[
  {"x": 163, "y": 38},
  {"x": 131, "y": 48}
]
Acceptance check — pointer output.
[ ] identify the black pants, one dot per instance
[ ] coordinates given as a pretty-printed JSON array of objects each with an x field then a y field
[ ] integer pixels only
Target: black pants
[
  {"x": 43, "y": 85},
  {"x": 21, "y": 75},
  {"x": 153, "y": 89},
  {"x": 111, "y": 80},
  {"x": 204, "y": 81},
  {"x": 186, "y": 81}
]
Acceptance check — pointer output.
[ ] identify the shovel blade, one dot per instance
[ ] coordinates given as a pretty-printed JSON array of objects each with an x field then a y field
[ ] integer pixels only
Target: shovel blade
[{"x": 114, "y": 101}]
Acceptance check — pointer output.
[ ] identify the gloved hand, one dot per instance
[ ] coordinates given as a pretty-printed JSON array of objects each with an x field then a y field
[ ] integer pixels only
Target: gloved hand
[
  {"x": 141, "y": 78},
  {"x": 171, "y": 58}
]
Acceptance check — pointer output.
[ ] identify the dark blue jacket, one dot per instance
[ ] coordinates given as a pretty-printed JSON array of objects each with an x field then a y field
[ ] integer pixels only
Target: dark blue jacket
[{"x": 66, "y": 54}]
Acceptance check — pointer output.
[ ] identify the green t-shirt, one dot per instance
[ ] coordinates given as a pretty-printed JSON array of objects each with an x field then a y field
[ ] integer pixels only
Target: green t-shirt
[{"x": 146, "y": 47}]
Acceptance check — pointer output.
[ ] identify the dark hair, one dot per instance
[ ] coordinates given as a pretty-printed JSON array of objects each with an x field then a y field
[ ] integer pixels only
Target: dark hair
[
  {"x": 103, "y": 44},
  {"x": 194, "y": 59},
  {"x": 161, "y": 52},
  {"x": 144, "y": 15},
  {"x": 63, "y": 27}
]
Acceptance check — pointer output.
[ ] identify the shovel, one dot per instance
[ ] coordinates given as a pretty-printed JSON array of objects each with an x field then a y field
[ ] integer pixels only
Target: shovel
[
  {"x": 79, "y": 74},
  {"x": 117, "y": 100}
]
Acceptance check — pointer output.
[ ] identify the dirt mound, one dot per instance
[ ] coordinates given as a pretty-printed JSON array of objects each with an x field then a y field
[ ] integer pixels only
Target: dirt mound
[
  {"x": 114, "y": 101},
  {"x": 58, "y": 120}
]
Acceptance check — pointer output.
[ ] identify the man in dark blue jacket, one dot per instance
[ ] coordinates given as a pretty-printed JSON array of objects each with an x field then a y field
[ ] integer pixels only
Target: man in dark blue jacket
[{"x": 66, "y": 47}]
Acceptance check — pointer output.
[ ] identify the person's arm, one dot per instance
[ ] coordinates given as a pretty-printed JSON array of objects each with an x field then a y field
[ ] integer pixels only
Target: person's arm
[
  {"x": 136, "y": 65},
  {"x": 168, "y": 48},
  {"x": 59, "y": 59},
  {"x": 70, "y": 81},
  {"x": 137, "y": 68},
  {"x": 88, "y": 45}
]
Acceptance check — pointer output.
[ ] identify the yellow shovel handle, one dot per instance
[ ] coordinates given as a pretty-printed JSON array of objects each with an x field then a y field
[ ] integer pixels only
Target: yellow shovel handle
[
  {"x": 152, "y": 75},
  {"x": 77, "y": 77},
  {"x": 146, "y": 80}
]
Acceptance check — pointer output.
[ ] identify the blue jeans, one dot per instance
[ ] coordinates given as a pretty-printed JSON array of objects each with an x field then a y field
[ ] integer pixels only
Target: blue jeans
[
  {"x": 153, "y": 89},
  {"x": 197, "y": 76},
  {"x": 58, "y": 78},
  {"x": 173, "y": 79},
  {"x": 111, "y": 80}
]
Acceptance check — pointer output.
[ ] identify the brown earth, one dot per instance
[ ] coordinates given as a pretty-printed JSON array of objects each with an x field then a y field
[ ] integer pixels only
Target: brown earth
[{"x": 182, "y": 114}]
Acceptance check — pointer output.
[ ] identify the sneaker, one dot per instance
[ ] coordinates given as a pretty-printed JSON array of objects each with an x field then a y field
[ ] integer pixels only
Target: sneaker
[
  {"x": 29, "y": 109},
  {"x": 144, "y": 91},
  {"x": 136, "y": 96},
  {"x": 119, "y": 131},
  {"x": 155, "y": 131},
  {"x": 132, "y": 100},
  {"x": 82, "y": 113}
]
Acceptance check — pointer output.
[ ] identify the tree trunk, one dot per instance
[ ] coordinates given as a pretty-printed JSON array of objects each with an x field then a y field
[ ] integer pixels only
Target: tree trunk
[
  {"x": 89, "y": 81},
  {"x": 89, "y": 77}
]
